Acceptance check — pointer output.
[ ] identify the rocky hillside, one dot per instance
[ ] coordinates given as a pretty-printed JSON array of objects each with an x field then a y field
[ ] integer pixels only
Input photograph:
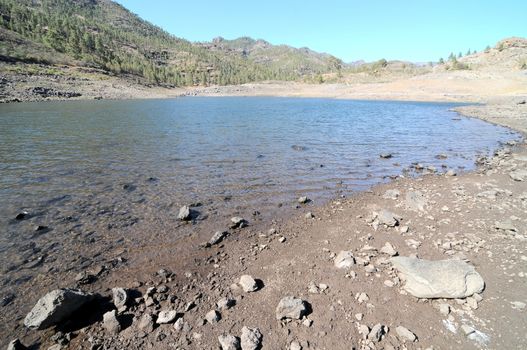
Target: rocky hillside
[{"x": 103, "y": 34}]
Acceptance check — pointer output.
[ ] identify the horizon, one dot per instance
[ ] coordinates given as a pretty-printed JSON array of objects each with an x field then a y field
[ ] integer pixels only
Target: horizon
[{"x": 413, "y": 32}]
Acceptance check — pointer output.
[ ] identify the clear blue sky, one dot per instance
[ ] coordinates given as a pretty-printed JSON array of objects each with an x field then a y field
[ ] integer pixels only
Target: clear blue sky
[{"x": 414, "y": 30}]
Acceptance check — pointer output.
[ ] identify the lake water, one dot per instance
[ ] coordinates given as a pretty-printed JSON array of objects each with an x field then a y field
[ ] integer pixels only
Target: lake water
[{"x": 90, "y": 171}]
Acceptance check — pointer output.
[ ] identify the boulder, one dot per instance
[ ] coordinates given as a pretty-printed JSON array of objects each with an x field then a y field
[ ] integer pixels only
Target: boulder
[
  {"x": 438, "y": 279},
  {"x": 213, "y": 316},
  {"x": 56, "y": 306},
  {"x": 229, "y": 342},
  {"x": 251, "y": 338},
  {"x": 344, "y": 259},
  {"x": 238, "y": 222},
  {"x": 146, "y": 323},
  {"x": 386, "y": 217},
  {"x": 218, "y": 237},
  {"x": 291, "y": 307},
  {"x": 16, "y": 345}
]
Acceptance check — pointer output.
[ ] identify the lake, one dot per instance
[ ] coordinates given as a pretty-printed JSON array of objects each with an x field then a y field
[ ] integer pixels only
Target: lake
[{"x": 100, "y": 176}]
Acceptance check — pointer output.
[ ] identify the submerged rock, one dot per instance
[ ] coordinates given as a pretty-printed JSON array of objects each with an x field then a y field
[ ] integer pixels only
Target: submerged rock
[
  {"x": 55, "y": 307},
  {"x": 438, "y": 279}
]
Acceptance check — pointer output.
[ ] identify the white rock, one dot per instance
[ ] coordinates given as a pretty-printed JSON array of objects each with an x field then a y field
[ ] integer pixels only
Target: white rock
[
  {"x": 166, "y": 316},
  {"x": 438, "y": 279},
  {"x": 184, "y": 213},
  {"x": 388, "y": 249},
  {"x": 405, "y": 333},
  {"x": 344, "y": 260},
  {"x": 229, "y": 342},
  {"x": 248, "y": 284},
  {"x": 251, "y": 338},
  {"x": 291, "y": 307},
  {"x": 111, "y": 323},
  {"x": 213, "y": 316}
]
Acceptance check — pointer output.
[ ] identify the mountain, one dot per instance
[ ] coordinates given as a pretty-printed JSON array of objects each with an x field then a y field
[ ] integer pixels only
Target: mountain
[{"x": 104, "y": 35}]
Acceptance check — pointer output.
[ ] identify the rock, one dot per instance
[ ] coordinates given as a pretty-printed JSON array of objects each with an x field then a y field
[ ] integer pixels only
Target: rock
[
  {"x": 388, "y": 249},
  {"x": 391, "y": 194},
  {"x": 438, "y": 279},
  {"x": 120, "y": 298},
  {"x": 251, "y": 338},
  {"x": 415, "y": 200},
  {"x": 184, "y": 213},
  {"x": 467, "y": 329},
  {"x": 166, "y": 316},
  {"x": 506, "y": 225},
  {"x": 518, "y": 175},
  {"x": 344, "y": 260},
  {"x": 22, "y": 216},
  {"x": 451, "y": 173},
  {"x": 309, "y": 215},
  {"x": 248, "y": 284},
  {"x": 225, "y": 303},
  {"x": 518, "y": 305},
  {"x": 291, "y": 307},
  {"x": 16, "y": 345},
  {"x": 84, "y": 278},
  {"x": 303, "y": 200},
  {"x": 55, "y": 307},
  {"x": 386, "y": 217},
  {"x": 238, "y": 222},
  {"x": 146, "y": 323},
  {"x": 111, "y": 323},
  {"x": 405, "y": 333},
  {"x": 295, "y": 346},
  {"x": 213, "y": 316},
  {"x": 218, "y": 237},
  {"x": 385, "y": 155},
  {"x": 377, "y": 332},
  {"x": 362, "y": 297},
  {"x": 229, "y": 342},
  {"x": 444, "y": 309},
  {"x": 181, "y": 326}
]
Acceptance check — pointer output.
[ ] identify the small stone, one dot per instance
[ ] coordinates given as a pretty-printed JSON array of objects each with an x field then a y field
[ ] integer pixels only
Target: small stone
[
  {"x": 391, "y": 194},
  {"x": 344, "y": 260},
  {"x": 467, "y": 329},
  {"x": 309, "y": 215},
  {"x": 405, "y": 333},
  {"x": 377, "y": 332},
  {"x": 444, "y": 309},
  {"x": 218, "y": 237},
  {"x": 295, "y": 346},
  {"x": 303, "y": 200},
  {"x": 213, "y": 316},
  {"x": 386, "y": 217},
  {"x": 229, "y": 342},
  {"x": 385, "y": 155},
  {"x": 404, "y": 229},
  {"x": 238, "y": 222},
  {"x": 362, "y": 297},
  {"x": 166, "y": 316},
  {"x": 307, "y": 322},
  {"x": 291, "y": 307},
  {"x": 251, "y": 338},
  {"x": 248, "y": 284},
  {"x": 184, "y": 213},
  {"x": 120, "y": 298},
  {"x": 451, "y": 172},
  {"x": 225, "y": 303},
  {"x": 146, "y": 323},
  {"x": 282, "y": 239},
  {"x": 388, "y": 249},
  {"x": 518, "y": 305},
  {"x": 111, "y": 323},
  {"x": 181, "y": 326},
  {"x": 359, "y": 317},
  {"x": 389, "y": 283}
]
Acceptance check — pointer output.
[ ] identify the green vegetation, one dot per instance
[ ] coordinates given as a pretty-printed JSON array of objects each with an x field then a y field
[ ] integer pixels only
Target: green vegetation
[{"x": 103, "y": 34}]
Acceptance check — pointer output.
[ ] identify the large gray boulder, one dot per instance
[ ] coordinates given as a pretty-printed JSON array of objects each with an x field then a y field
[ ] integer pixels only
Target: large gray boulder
[
  {"x": 55, "y": 307},
  {"x": 438, "y": 279},
  {"x": 291, "y": 307}
]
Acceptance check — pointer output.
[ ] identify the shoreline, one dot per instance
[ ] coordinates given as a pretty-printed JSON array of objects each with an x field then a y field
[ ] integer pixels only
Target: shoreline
[{"x": 255, "y": 308}]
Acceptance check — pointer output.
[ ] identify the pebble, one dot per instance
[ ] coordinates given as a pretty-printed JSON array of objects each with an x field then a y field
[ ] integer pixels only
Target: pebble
[
  {"x": 225, "y": 303},
  {"x": 303, "y": 200}
]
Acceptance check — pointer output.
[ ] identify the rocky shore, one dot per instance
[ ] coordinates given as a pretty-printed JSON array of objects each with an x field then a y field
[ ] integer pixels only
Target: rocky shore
[{"x": 436, "y": 262}]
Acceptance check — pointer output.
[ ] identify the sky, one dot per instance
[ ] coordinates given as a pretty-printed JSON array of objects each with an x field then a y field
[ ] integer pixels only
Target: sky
[{"x": 418, "y": 31}]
